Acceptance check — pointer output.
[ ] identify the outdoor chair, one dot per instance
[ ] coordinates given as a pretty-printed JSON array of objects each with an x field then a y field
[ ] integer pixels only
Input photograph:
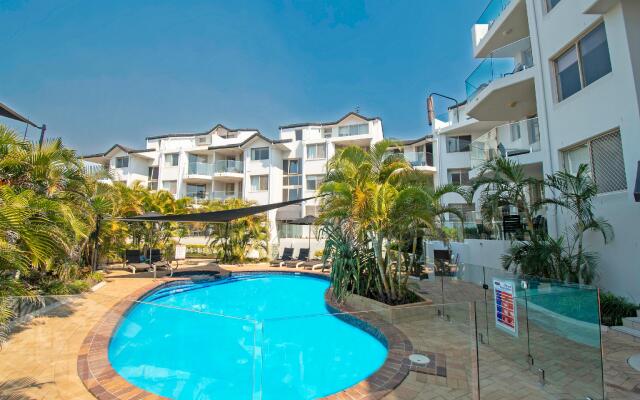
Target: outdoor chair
[
  {"x": 158, "y": 262},
  {"x": 287, "y": 255},
  {"x": 303, "y": 256},
  {"x": 133, "y": 262}
]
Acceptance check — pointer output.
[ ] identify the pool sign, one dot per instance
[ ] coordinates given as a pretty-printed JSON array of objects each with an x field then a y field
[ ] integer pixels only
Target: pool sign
[
  {"x": 506, "y": 312},
  {"x": 181, "y": 252}
]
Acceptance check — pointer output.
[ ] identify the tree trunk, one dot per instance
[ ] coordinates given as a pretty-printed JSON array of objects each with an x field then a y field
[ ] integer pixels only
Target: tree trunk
[{"x": 377, "y": 250}]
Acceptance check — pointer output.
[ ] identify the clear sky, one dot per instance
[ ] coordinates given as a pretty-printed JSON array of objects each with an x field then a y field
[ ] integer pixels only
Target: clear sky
[{"x": 105, "y": 72}]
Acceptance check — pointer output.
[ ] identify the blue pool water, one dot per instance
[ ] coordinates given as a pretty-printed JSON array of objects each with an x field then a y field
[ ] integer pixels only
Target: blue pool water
[{"x": 177, "y": 344}]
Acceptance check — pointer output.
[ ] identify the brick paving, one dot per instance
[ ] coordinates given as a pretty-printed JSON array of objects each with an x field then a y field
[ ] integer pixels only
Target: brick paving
[{"x": 40, "y": 361}]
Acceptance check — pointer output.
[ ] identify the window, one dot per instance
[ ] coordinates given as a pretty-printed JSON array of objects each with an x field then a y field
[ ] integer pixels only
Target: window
[
  {"x": 122, "y": 162},
  {"x": 229, "y": 188},
  {"x": 459, "y": 176},
  {"x": 314, "y": 181},
  {"x": 259, "y": 183},
  {"x": 316, "y": 151},
  {"x": 298, "y": 134},
  {"x": 514, "y": 130},
  {"x": 260, "y": 153},
  {"x": 458, "y": 144},
  {"x": 291, "y": 194},
  {"x": 327, "y": 132},
  {"x": 197, "y": 191},
  {"x": 583, "y": 63},
  {"x": 203, "y": 140},
  {"x": 292, "y": 180},
  {"x": 604, "y": 157},
  {"x": 351, "y": 130},
  {"x": 551, "y": 4},
  {"x": 289, "y": 231},
  {"x": 153, "y": 173},
  {"x": 171, "y": 160},
  {"x": 196, "y": 158},
  {"x": 291, "y": 166},
  {"x": 170, "y": 186}
]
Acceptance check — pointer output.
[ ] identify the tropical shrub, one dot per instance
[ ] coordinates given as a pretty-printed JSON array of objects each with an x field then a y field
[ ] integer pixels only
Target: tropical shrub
[
  {"x": 613, "y": 308},
  {"x": 374, "y": 207},
  {"x": 234, "y": 240}
]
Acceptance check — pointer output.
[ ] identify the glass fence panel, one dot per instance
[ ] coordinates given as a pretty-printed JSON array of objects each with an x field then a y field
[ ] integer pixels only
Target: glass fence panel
[
  {"x": 58, "y": 347},
  {"x": 565, "y": 340}
]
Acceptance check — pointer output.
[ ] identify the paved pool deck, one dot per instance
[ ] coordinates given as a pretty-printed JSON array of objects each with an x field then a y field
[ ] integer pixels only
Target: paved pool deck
[{"x": 40, "y": 359}]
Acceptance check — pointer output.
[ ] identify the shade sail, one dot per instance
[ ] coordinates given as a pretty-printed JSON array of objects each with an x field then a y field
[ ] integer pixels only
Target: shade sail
[
  {"x": 9, "y": 113},
  {"x": 214, "y": 216}
]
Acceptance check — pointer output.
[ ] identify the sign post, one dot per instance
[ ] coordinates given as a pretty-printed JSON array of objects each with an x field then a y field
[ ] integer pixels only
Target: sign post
[{"x": 505, "y": 306}]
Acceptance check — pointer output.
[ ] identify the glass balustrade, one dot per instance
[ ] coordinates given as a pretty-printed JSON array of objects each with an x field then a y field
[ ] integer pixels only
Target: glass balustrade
[
  {"x": 513, "y": 139},
  {"x": 221, "y": 195},
  {"x": 419, "y": 159},
  {"x": 233, "y": 166},
  {"x": 200, "y": 168},
  {"x": 503, "y": 62}
]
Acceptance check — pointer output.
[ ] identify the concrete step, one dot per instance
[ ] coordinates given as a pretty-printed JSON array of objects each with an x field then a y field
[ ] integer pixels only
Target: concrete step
[
  {"x": 631, "y": 322},
  {"x": 623, "y": 330}
]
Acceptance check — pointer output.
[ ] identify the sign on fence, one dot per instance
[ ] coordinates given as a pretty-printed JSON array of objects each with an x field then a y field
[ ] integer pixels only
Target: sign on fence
[
  {"x": 506, "y": 310},
  {"x": 181, "y": 252}
]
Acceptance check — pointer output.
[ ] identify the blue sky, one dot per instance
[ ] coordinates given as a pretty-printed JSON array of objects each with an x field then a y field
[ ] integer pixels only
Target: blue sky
[{"x": 105, "y": 72}]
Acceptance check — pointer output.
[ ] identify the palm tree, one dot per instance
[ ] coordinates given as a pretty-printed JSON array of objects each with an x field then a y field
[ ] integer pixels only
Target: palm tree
[
  {"x": 419, "y": 207},
  {"x": 360, "y": 188},
  {"x": 503, "y": 182},
  {"x": 235, "y": 239},
  {"x": 575, "y": 193}
]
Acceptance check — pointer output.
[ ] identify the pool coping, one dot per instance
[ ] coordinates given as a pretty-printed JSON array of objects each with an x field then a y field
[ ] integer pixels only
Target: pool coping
[{"x": 104, "y": 383}]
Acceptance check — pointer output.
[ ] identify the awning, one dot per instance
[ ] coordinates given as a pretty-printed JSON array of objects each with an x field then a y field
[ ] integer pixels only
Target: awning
[
  {"x": 214, "y": 216},
  {"x": 9, "y": 113}
]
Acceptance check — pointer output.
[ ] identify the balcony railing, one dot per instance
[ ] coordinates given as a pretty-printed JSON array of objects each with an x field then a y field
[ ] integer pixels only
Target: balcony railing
[
  {"x": 493, "y": 10},
  {"x": 220, "y": 195},
  {"x": 229, "y": 166},
  {"x": 505, "y": 61},
  {"x": 198, "y": 197},
  {"x": 507, "y": 140},
  {"x": 419, "y": 159},
  {"x": 199, "y": 168}
]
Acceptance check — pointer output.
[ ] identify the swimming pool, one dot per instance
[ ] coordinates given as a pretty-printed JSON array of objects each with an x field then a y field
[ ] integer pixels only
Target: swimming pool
[{"x": 268, "y": 336}]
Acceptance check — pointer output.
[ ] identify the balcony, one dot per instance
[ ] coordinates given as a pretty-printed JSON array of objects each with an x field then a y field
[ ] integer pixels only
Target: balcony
[
  {"x": 228, "y": 170},
  {"x": 221, "y": 195},
  {"x": 199, "y": 172},
  {"x": 199, "y": 168},
  {"x": 501, "y": 88},
  {"x": 198, "y": 197},
  {"x": 229, "y": 166},
  {"x": 501, "y": 23},
  {"x": 510, "y": 140},
  {"x": 419, "y": 159}
]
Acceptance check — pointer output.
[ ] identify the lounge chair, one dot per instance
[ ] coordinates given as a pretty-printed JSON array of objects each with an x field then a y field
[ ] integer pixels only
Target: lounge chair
[
  {"x": 132, "y": 261},
  {"x": 158, "y": 262},
  {"x": 287, "y": 255},
  {"x": 303, "y": 256}
]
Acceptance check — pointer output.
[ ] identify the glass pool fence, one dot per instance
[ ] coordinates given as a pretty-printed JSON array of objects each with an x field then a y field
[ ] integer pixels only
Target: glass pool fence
[{"x": 479, "y": 334}]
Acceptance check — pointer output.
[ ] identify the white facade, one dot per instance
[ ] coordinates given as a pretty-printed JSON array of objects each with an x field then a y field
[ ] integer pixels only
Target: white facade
[
  {"x": 558, "y": 85},
  {"x": 242, "y": 163}
]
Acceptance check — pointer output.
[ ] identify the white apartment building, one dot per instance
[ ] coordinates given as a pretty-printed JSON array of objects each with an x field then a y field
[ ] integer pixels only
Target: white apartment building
[
  {"x": 223, "y": 163},
  {"x": 558, "y": 85}
]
